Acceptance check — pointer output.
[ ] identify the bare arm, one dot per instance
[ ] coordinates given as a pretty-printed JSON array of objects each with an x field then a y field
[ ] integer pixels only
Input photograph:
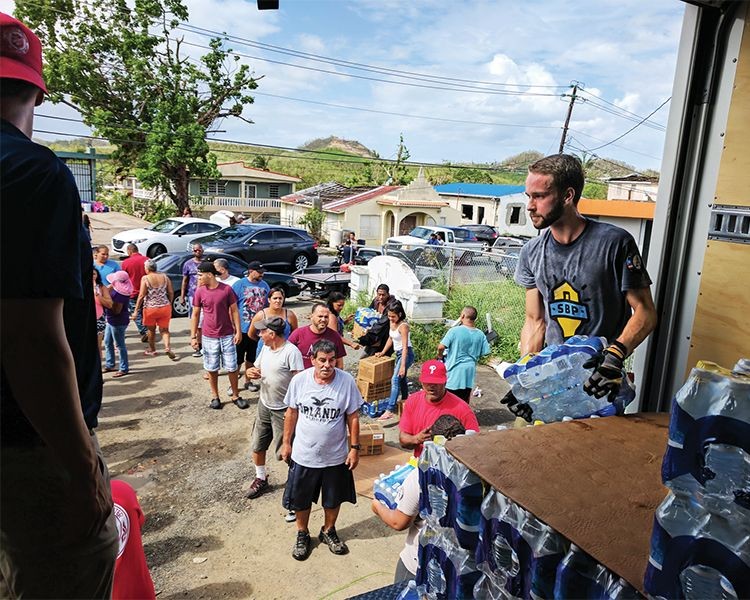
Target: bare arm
[
  {"x": 194, "y": 320},
  {"x": 352, "y": 422},
  {"x": 394, "y": 518},
  {"x": 170, "y": 290},
  {"x": 441, "y": 351},
  {"x": 292, "y": 320},
  {"x": 185, "y": 280},
  {"x": 410, "y": 441},
  {"x": 641, "y": 322},
  {"x": 34, "y": 327},
  {"x": 141, "y": 295},
  {"x": 252, "y": 332},
  {"x": 234, "y": 314},
  {"x": 333, "y": 322},
  {"x": 534, "y": 327},
  {"x": 388, "y": 344},
  {"x": 290, "y": 424},
  {"x": 104, "y": 298}
]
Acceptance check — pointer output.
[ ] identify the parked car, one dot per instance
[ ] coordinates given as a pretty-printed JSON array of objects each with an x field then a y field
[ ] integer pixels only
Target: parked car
[
  {"x": 273, "y": 245},
  {"x": 171, "y": 265},
  {"x": 508, "y": 244},
  {"x": 366, "y": 254},
  {"x": 505, "y": 252},
  {"x": 421, "y": 235},
  {"x": 169, "y": 235},
  {"x": 484, "y": 233}
]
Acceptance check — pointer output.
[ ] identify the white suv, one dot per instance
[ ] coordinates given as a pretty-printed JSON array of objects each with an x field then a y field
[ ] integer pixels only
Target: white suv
[{"x": 169, "y": 235}]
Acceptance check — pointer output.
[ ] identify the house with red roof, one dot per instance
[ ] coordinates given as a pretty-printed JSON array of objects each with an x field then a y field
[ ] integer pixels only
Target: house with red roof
[{"x": 373, "y": 213}]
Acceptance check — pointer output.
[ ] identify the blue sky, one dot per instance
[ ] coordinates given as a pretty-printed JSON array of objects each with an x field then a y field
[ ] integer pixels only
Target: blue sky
[{"x": 623, "y": 51}]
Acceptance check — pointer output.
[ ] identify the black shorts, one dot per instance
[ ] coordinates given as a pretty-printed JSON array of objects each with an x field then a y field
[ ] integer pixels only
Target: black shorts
[
  {"x": 304, "y": 485},
  {"x": 246, "y": 349},
  {"x": 463, "y": 393}
]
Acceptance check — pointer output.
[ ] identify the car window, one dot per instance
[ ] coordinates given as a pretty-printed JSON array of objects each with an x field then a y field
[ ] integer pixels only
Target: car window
[
  {"x": 206, "y": 227},
  {"x": 285, "y": 236},
  {"x": 230, "y": 234},
  {"x": 449, "y": 237},
  {"x": 263, "y": 237},
  {"x": 166, "y": 226},
  {"x": 165, "y": 261},
  {"x": 420, "y": 232},
  {"x": 189, "y": 228}
]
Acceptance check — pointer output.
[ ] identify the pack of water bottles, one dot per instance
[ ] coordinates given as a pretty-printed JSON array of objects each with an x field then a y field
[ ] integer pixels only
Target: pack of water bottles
[
  {"x": 386, "y": 487},
  {"x": 700, "y": 546},
  {"x": 519, "y": 556},
  {"x": 450, "y": 495},
  {"x": 365, "y": 317},
  {"x": 551, "y": 382},
  {"x": 446, "y": 570}
]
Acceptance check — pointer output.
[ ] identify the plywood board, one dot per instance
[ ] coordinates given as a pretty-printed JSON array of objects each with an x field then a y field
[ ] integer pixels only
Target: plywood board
[
  {"x": 596, "y": 481},
  {"x": 721, "y": 329},
  {"x": 733, "y": 187}
]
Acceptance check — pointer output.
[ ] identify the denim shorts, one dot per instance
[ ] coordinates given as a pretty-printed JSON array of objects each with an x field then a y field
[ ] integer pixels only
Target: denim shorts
[{"x": 218, "y": 352}]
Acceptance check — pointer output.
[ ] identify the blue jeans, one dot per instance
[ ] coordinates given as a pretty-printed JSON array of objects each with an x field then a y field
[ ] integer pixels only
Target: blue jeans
[
  {"x": 115, "y": 334},
  {"x": 399, "y": 384},
  {"x": 138, "y": 318}
]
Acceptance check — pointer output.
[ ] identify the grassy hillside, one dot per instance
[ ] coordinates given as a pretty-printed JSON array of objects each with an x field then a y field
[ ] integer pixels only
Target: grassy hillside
[{"x": 353, "y": 164}]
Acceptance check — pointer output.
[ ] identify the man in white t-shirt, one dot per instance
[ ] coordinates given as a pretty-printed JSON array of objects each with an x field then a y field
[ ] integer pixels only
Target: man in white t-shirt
[
  {"x": 224, "y": 276},
  {"x": 275, "y": 366},
  {"x": 406, "y": 513},
  {"x": 323, "y": 403}
]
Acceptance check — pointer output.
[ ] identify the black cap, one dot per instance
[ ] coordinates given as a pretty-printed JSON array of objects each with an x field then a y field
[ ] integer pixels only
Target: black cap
[
  {"x": 275, "y": 324},
  {"x": 256, "y": 265},
  {"x": 207, "y": 267}
]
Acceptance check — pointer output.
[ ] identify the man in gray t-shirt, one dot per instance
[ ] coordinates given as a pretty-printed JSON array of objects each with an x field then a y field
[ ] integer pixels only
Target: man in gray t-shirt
[
  {"x": 323, "y": 403},
  {"x": 581, "y": 276},
  {"x": 275, "y": 366}
]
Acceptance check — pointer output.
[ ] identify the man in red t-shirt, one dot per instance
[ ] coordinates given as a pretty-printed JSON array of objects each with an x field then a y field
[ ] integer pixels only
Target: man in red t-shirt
[
  {"x": 132, "y": 579},
  {"x": 133, "y": 266},
  {"x": 424, "y": 407},
  {"x": 305, "y": 337}
]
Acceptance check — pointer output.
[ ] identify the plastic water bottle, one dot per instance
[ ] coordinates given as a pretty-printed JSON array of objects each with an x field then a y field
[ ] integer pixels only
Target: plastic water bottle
[
  {"x": 742, "y": 367},
  {"x": 728, "y": 481},
  {"x": 621, "y": 590},
  {"x": 409, "y": 592},
  {"x": 579, "y": 576},
  {"x": 505, "y": 557},
  {"x": 700, "y": 582},
  {"x": 435, "y": 578},
  {"x": 438, "y": 501}
]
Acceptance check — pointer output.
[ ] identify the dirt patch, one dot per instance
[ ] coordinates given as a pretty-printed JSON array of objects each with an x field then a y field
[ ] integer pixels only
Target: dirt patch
[{"x": 191, "y": 465}]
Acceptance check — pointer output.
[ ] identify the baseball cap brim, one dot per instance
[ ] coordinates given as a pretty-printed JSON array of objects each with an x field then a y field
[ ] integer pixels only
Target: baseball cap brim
[
  {"x": 433, "y": 379},
  {"x": 12, "y": 69}
]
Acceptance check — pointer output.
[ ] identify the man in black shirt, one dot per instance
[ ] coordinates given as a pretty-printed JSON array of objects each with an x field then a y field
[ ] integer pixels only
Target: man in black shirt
[{"x": 58, "y": 533}]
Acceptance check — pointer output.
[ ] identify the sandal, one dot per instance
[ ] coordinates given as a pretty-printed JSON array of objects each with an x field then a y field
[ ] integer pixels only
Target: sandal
[
  {"x": 150, "y": 353},
  {"x": 386, "y": 416},
  {"x": 119, "y": 374},
  {"x": 170, "y": 354},
  {"x": 108, "y": 370}
]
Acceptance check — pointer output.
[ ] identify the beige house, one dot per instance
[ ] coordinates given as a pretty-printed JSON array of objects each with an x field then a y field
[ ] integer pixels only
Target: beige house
[
  {"x": 372, "y": 213},
  {"x": 640, "y": 188}
]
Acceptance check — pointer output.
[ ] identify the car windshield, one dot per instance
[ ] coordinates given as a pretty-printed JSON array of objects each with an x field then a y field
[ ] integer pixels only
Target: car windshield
[
  {"x": 230, "y": 234},
  {"x": 463, "y": 234},
  {"x": 420, "y": 232},
  {"x": 165, "y": 226},
  {"x": 165, "y": 261}
]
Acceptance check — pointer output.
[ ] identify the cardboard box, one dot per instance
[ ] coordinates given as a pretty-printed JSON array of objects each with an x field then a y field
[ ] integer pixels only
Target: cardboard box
[
  {"x": 376, "y": 369},
  {"x": 371, "y": 439},
  {"x": 374, "y": 391},
  {"x": 358, "y": 331}
]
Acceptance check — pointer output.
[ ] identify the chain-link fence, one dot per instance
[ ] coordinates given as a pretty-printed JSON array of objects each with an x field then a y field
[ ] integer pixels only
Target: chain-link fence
[{"x": 482, "y": 279}]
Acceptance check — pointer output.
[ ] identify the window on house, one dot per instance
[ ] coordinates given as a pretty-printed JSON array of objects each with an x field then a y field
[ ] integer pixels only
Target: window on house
[
  {"x": 467, "y": 211},
  {"x": 480, "y": 214},
  {"x": 213, "y": 187},
  {"x": 369, "y": 227},
  {"x": 515, "y": 215},
  {"x": 273, "y": 190},
  {"x": 250, "y": 190}
]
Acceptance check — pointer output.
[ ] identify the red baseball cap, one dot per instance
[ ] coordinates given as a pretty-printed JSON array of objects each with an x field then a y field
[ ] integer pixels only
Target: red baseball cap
[
  {"x": 20, "y": 52},
  {"x": 433, "y": 371}
]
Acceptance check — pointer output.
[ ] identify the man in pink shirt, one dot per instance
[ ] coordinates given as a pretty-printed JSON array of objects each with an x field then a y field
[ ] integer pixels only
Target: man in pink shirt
[
  {"x": 306, "y": 337},
  {"x": 424, "y": 407},
  {"x": 133, "y": 265}
]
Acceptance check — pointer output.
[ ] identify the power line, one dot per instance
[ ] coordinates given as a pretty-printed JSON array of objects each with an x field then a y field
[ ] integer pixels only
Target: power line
[
  {"x": 606, "y": 109},
  {"x": 619, "y": 137},
  {"x": 598, "y": 139},
  {"x": 349, "y": 64},
  {"x": 620, "y": 108}
]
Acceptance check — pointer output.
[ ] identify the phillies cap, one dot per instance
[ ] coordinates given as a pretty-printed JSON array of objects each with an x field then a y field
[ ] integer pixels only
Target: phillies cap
[
  {"x": 20, "y": 52},
  {"x": 433, "y": 371}
]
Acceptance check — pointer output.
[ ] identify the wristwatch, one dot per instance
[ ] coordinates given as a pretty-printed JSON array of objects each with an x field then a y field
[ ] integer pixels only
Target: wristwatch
[{"x": 355, "y": 446}]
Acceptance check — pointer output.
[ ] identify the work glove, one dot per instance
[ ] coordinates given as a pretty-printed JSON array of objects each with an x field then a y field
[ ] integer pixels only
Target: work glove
[
  {"x": 607, "y": 376},
  {"x": 520, "y": 409}
]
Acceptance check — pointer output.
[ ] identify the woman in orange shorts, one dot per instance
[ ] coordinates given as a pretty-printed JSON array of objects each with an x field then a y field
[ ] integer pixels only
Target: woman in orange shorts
[{"x": 155, "y": 297}]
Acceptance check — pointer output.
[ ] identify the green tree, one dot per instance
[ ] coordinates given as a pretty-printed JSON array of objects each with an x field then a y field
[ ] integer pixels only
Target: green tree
[
  {"x": 261, "y": 162},
  {"x": 397, "y": 171},
  {"x": 313, "y": 219},
  {"x": 469, "y": 175},
  {"x": 126, "y": 71}
]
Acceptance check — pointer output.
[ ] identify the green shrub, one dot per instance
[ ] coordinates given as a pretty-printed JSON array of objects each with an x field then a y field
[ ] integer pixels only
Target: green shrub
[{"x": 149, "y": 210}]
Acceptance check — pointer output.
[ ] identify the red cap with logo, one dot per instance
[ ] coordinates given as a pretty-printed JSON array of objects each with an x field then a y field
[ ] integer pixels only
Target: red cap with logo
[
  {"x": 20, "y": 52},
  {"x": 433, "y": 371}
]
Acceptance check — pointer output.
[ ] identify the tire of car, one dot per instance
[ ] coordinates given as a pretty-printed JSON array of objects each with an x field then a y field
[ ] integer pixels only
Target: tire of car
[
  {"x": 178, "y": 308},
  {"x": 155, "y": 250},
  {"x": 300, "y": 262}
]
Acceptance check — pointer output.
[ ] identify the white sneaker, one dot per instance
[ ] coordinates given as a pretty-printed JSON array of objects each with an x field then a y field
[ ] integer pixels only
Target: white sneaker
[{"x": 290, "y": 517}]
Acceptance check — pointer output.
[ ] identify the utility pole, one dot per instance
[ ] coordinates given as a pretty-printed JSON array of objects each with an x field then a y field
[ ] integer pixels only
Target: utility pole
[{"x": 567, "y": 117}]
